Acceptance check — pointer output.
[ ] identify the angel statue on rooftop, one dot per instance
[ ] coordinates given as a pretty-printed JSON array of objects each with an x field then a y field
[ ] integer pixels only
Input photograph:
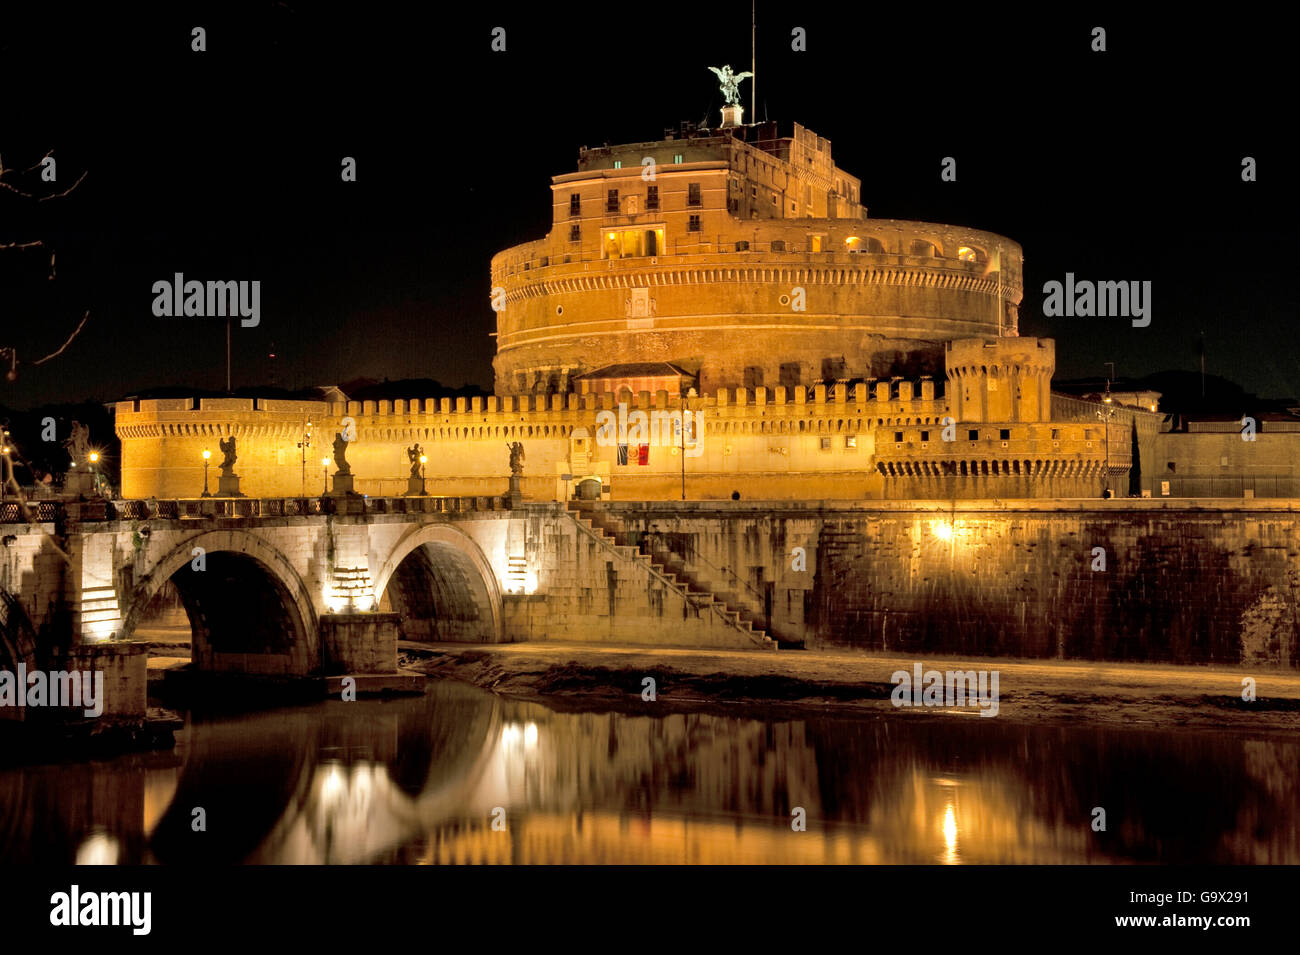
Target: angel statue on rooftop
[{"x": 730, "y": 83}]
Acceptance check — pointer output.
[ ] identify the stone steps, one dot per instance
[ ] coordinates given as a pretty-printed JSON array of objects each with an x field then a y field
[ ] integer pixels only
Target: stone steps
[{"x": 675, "y": 574}]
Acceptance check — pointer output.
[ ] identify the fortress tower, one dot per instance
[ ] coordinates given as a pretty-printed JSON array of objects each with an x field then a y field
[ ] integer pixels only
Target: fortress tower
[{"x": 743, "y": 257}]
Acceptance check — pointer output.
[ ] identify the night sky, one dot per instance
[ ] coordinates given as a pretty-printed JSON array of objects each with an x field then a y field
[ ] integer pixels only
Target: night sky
[{"x": 1123, "y": 165}]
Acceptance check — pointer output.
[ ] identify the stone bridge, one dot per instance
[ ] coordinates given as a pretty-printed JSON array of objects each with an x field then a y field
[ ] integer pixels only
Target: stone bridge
[{"x": 322, "y": 587}]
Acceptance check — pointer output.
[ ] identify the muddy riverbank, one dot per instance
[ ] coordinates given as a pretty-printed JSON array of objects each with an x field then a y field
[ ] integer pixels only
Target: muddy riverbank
[{"x": 585, "y": 677}]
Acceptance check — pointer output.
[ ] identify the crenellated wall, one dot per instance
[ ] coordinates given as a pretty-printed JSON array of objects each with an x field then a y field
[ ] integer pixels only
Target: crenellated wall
[{"x": 863, "y": 440}]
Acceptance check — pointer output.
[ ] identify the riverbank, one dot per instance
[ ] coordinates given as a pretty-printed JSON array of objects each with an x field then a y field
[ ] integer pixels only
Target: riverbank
[{"x": 585, "y": 676}]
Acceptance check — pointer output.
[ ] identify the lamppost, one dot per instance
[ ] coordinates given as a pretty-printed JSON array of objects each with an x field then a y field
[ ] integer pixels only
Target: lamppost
[
  {"x": 206, "y": 457},
  {"x": 6, "y": 467},
  {"x": 303, "y": 445},
  {"x": 325, "y": 470},
  {"x": 423, "y": 458},
  {"x": 1105, "y": 417}
]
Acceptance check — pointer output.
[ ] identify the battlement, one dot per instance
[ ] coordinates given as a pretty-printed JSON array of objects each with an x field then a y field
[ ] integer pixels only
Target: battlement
[{"x": 493, "y": 409}]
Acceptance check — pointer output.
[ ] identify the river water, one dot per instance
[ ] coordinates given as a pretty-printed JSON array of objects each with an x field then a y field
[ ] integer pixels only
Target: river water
[{"x": 460, "y": 775}]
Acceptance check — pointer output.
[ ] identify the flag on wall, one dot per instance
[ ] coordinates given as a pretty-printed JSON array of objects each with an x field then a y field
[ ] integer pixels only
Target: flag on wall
[
  {"x": 622, "y": 454},
  {"x": 643, "y": 454}
]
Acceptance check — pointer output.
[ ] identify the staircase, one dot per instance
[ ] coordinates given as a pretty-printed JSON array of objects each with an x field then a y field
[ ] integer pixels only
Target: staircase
[{"x": 670, "y": 569}]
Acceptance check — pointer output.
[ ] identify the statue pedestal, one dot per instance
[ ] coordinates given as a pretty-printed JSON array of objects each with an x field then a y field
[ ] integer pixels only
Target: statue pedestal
[
  {"x": 80, "y": 482},
  {"x": 414, "y": 486},
  {"x": 342, "y": 486},
  {"x": 514, "y": 495},
  {"x": 228, "y": 486}
]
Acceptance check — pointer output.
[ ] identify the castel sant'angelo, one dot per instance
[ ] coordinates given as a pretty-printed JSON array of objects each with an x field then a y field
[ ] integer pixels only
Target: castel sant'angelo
[{"x": 819, "y": 354}]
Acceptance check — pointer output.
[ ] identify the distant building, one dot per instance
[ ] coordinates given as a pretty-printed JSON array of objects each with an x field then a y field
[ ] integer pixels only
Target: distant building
[{"x": 1223, "y": 456}]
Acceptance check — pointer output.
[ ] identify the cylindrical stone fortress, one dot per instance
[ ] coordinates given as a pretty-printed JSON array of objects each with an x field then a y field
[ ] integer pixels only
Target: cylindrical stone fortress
[{"x": 744, "y": 259}]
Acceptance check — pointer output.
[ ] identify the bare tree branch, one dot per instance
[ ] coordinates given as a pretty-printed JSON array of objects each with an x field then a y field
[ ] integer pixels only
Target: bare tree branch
[{"x": 74, "y": 334}]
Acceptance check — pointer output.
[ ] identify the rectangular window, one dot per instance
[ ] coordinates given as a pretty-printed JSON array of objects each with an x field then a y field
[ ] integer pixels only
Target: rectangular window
[
  {"x": 575, "y": 204},
  {"x": 826, "y": 444},
  {"x": 1056, "y": 434},
  {"x": 677, "y": 159},
  {"x": 851, "y": 441},
  {"x": 973, "y": 434},
  {"x": 925, "y": 435},
  {"x": 575, "y": 233},
  {"x": 693, "y": 194},
  {"x": 618, "y": 164},
  {"x": 611, "y": 203},
  {"x": 742, "y": 245},
  {"x": 652, "y": 197},
  {"x": 898, "y": 436},
  {"x": 1005, "y": 434},
  {"x": 778, "y": 245},
  {"x": 693, "y": 225}
]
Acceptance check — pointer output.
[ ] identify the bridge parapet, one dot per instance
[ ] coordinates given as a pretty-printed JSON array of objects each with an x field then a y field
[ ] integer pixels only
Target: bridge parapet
[{"x": 53, "y": 512}]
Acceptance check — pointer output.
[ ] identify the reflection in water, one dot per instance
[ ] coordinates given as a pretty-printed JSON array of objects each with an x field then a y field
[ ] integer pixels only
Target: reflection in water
[{"x": 421, "y": 780}]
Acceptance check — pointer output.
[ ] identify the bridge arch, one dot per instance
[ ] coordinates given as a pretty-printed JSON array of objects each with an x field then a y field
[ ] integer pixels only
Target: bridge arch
[
  {"x": 441, "y": 582},
  {"x": 249, "y": 609}
]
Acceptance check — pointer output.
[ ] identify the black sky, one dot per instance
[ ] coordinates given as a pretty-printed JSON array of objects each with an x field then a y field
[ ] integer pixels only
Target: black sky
[{"x": 225, "y": 165}]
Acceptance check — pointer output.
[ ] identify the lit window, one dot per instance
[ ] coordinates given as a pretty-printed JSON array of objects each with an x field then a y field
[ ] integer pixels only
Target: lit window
[
  {"x": 850, "y": 441},
  {"x": 966, "y": 254},
  {"x": 618, "y": 164},
  {"x": 677, "y": 158}
]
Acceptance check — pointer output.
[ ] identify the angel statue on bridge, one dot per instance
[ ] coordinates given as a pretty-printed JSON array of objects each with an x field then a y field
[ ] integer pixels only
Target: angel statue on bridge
[
  {"x": 227, "y": 447},
  {"x": 516, "y": 458},
  {"x": 78, "y": 444},
  {"x": 413, "y": 454},
  {"x": 340, "y": 454},
  {"x": 730, "y": 83}
]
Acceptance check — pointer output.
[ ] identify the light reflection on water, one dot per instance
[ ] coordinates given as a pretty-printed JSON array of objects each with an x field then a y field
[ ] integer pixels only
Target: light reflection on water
[{"x": 461, "y": 776}]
